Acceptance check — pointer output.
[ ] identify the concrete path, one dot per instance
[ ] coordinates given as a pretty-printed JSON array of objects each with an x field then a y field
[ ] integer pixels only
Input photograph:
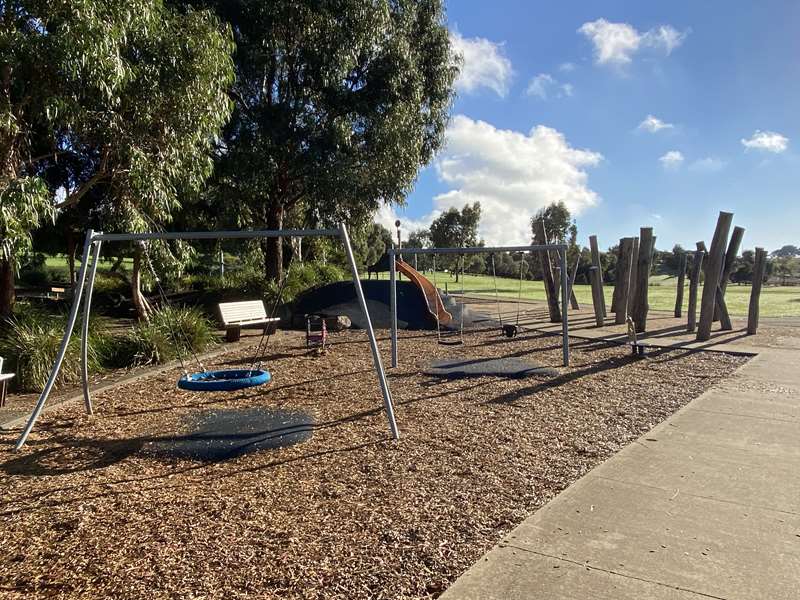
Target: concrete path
[{"x": 705, "y": 505}]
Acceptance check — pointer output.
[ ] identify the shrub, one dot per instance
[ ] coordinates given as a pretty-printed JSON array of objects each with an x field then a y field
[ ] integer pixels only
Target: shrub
[
  {"x": 250, "y": 283},
  {"x": 34, "y": 272},
  {"x": 171, "y": 332},
  {"x": 30, "y": 341}
]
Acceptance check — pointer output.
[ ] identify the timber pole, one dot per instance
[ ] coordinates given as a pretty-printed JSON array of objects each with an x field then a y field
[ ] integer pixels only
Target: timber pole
[
  {"x": 759, "y": 268},
  {"x": 694, "y": 284},
  {"x": 596, "y": 263},
  {"x": 547, "y": 274},
  {"x": 623, "y": 279},
  {"x": 681, "y": 281},
  {"x": 641, "y": 306},
  {"x": 713, "y": 271}
]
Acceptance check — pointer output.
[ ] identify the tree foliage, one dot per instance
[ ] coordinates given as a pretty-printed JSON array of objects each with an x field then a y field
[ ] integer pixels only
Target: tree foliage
[
  {"x": 115, "y": 100},
  {"x": 338, "y": 103}
]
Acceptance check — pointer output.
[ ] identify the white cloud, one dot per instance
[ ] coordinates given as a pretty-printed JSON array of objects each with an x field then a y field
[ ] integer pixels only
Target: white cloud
[
  {"x": 512, "y": 175},
  {"x": 769, "y": 141},
  {"x": 672, "y": 160},
  {"x": 484, "y": 65},
  {"x": 654, "y": 124},
  {"x": 387, "y": 215},
  {"x": 664, "y": 37},
  {"x": 567, "y": 67},
  {"x": 615, "y": 44},
  {"x": 546, "y": 86},
  {"x": 710, "y": 164}
]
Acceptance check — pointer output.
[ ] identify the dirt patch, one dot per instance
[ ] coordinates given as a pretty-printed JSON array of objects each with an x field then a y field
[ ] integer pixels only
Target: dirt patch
[{"x": 347, "y": 514}]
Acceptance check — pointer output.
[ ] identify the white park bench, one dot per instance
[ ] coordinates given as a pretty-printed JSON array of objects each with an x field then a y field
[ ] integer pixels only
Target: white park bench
[
  {"x": 4, "y": 379},
  {"x": 235, "y": 315}
]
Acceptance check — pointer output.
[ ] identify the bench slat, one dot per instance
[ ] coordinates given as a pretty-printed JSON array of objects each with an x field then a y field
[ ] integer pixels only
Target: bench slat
[{"x": 249, "y": 312}]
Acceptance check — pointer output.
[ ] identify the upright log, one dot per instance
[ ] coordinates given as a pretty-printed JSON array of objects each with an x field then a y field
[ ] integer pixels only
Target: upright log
[
  {"x": 573, "y": 300},
  {"x": 681, "y": 280},
  {"x": 759, "y": 268},
  {"x": 694, "y": 284},
  {"x": 641, "y": 306},
  {"x": 730, "y": 259},
  {"x": 712, "y": 273},
  {"x": 634, "y": 278},
  {"x": 623, "y": 279},
  {"x": 616, "y": 292},
  {"x": 596, "y": 278},
  {"x": 547, "y": 274},
  {"x": 596, "y": 263}
]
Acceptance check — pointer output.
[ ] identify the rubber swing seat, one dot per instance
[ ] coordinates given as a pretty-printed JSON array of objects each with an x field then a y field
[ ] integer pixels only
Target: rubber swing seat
[{"x": 221, "y": 381}]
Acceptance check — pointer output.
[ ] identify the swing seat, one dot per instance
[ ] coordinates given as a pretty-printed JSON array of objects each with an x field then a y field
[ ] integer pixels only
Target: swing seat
[
  {"x": 221, "y": 381},
  {"x": 510, "y": 331}
]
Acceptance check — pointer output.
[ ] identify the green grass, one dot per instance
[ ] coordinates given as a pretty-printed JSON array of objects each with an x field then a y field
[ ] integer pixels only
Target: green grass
[{"x": 776, "y": 301}]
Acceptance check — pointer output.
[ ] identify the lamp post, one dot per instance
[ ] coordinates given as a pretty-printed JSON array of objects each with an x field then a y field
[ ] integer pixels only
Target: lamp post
[{"x": 399, "y": 240}]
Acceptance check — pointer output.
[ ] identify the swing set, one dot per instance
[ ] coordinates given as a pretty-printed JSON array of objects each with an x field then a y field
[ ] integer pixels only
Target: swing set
[
  {"x": 203, "y": 380},
  {"x": 508, "y": 329}
]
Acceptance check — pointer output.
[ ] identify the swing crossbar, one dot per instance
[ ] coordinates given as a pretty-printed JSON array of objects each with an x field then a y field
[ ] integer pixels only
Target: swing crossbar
[{"x": 85, "y": 285}]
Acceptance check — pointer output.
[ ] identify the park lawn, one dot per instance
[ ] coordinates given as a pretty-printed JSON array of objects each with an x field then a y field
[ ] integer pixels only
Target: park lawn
[{"x": 776, "y": 301}]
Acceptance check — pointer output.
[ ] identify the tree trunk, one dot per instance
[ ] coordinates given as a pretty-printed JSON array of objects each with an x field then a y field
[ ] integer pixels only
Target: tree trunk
[
  {"x": 7, "y": 294},
  {"x": 143, "y": 308},
  {"x": 273, "y": 247}
]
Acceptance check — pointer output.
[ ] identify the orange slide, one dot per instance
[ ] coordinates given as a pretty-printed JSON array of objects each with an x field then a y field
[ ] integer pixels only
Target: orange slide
[{"x": 432, "y": 297}]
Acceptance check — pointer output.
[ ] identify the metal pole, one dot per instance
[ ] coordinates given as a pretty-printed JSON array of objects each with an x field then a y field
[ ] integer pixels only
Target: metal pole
[
  {"x": 376, "y": 356},
  {"x": 564, "y": 300},
  {"x": 73, "y": 315},
  {"x": 87, "y": 308},
  {"x": 393, "y": 303}
]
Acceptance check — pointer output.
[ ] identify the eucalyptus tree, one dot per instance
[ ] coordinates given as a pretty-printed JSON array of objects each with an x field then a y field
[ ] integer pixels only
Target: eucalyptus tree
[
  {"x": 338, "y": 104},
  {"x": 117, "y": 101}
]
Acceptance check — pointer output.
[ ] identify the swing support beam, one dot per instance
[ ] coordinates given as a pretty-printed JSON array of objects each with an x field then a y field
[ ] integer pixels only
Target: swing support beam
[
  {"x": 85, "y": 285},
  {"x": 561, "y": 249}
]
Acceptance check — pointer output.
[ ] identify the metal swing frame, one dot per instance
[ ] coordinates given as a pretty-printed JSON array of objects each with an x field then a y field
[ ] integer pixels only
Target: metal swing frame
[
  {"x": 85, "y": 285},
  {"x": 561, "y": 249}
]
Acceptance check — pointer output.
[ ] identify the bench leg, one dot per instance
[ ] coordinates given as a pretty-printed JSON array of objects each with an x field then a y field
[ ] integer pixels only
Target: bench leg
[
  {"x": 3, "y": 391},
  {"x": 233, "y": 334}
]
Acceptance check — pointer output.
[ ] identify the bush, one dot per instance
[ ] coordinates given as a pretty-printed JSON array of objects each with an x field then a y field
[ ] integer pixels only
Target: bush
[
  {"x": 249, "y": 283},
  {"x": 171, "y": 332},
  {"x": 34, "y": 272},
  {"x": 30, "y": 342}
]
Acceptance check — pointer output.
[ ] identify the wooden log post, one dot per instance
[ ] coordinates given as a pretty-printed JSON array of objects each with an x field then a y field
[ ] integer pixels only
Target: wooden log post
[
  {"x": 634, "y": 277},
  {"x": 759, "y": 268},
  {"x": 721, "y": 309},
  {"x": 596, "y": 263},
  {"x": 712, "y": 272},
  {"x": 681, "y": 280},
  {"x": 547, "y": 274},
  {"x": 596, "y": 277},
  {"x": 623, "y": 279},
  {"x": 640, "y": 306},
  {"x": 573, "y": 300},
  {"x": 694, "y": 284},
  {"x": 616, "y": 292}
]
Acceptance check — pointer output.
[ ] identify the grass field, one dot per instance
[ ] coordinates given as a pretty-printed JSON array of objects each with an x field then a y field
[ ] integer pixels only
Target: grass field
[{"x": 776, "y": 301}]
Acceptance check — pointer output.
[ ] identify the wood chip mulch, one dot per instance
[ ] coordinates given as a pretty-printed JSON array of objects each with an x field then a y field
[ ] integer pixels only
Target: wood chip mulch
[{"x": 349, "y": 514}]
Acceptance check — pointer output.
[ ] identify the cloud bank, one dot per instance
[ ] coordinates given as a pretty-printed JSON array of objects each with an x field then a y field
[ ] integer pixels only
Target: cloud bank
[{"x": 615, "y": 44}]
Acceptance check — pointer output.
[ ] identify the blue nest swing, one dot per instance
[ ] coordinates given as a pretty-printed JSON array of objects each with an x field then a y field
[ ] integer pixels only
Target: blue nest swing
[{"x": 221, "y": 381}]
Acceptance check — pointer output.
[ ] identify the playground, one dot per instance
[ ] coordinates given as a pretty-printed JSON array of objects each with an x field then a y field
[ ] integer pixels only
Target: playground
[{"x": 347, "y": 513}]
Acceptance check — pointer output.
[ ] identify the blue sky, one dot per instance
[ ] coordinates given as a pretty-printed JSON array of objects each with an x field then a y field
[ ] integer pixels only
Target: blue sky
[{"x": 634, "y": 113}]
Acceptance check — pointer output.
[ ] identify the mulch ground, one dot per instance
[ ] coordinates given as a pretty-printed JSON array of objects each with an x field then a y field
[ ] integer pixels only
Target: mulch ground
[{"x": 86, "y": 512}]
